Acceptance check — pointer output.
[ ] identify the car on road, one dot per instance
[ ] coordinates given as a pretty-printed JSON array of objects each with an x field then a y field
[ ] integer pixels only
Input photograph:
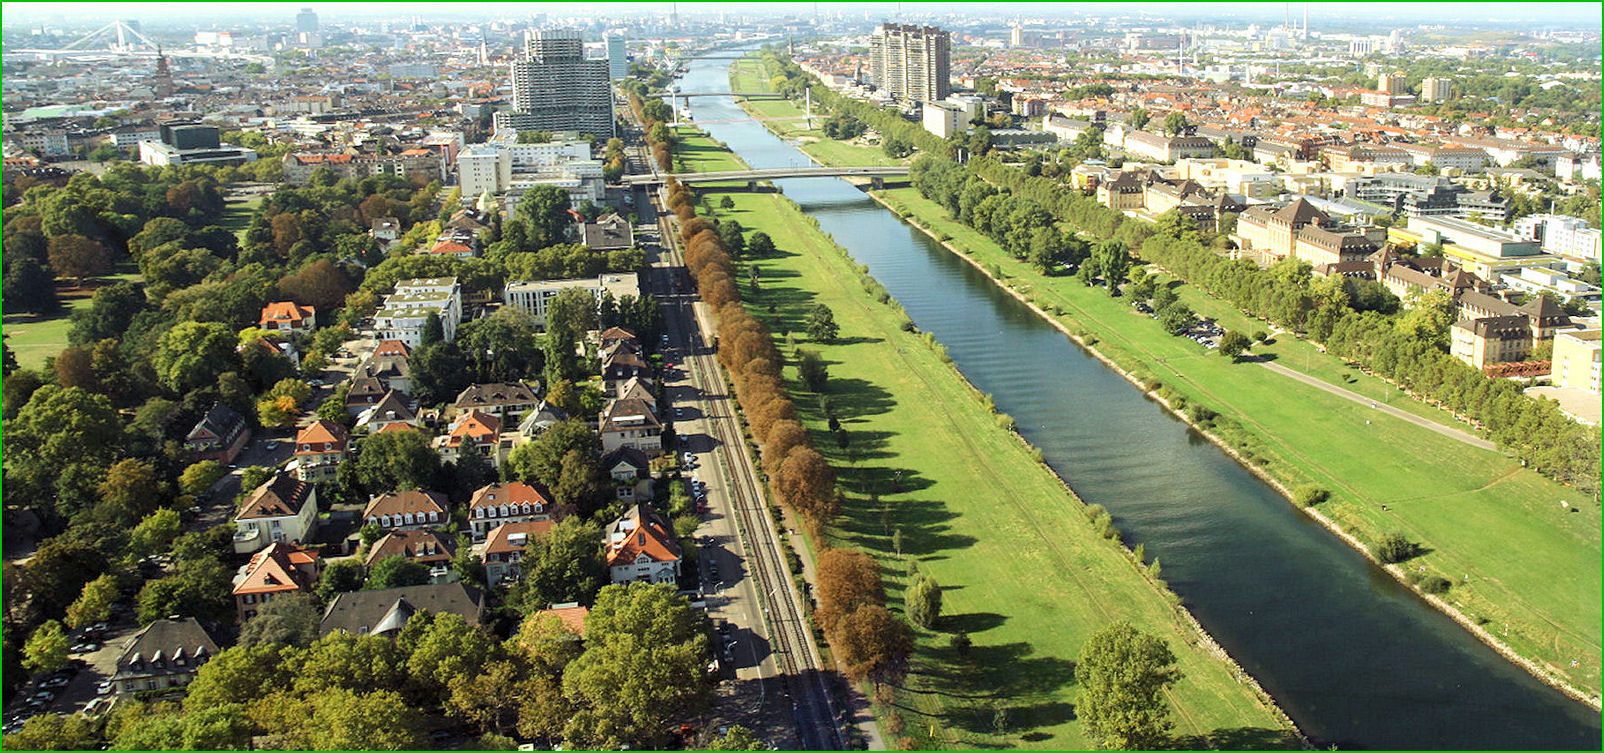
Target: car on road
[
  {"x": 85, "y": 647},
  {"x": 679, "y": 413}
]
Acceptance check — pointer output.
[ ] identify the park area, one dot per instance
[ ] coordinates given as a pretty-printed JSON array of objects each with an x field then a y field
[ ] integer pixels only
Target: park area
[{"x": 932, "y": 477}]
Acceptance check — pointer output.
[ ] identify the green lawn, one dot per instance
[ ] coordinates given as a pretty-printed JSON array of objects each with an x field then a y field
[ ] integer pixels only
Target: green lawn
[
  {"x": 1024, "y": 574},
  {"x": 237, "y": 215},
  {"x": 34, "y": 339},
  {"x": 1532, "y": 563},
  {"x": 701, "y": 154}
]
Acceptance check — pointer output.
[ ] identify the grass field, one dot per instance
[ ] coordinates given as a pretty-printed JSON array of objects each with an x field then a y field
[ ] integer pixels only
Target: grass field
[
  {"x": 748, "y": 76},
  {"x": 1024, "y": 575},
  {"x": 1530, "y": 562},
  {"x": 35, "y": 339},
  {"x": 237, "y": 215}
]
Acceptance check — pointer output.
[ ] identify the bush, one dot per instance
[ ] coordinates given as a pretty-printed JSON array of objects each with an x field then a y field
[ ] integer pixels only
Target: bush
[
  {"x": 1095, "y": 511},
  {"x": 1201, "y": 415},
  {"x": 1394, "y": 548},
  {"x": 1309, "y": 496},
  {"x": 1435, "y": 585},
  {"x": 1261, "y": 336}
]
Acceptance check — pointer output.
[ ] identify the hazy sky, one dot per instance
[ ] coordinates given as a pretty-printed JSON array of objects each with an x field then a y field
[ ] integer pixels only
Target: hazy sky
[{"x": 1539, "y": 15}]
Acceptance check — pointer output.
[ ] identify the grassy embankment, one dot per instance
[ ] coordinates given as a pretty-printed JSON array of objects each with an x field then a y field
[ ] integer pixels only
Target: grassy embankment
[
  {"x": 1531, "y": 563},
  {"x": 747, "y": 76},
  {"x": 1025, "y": 575}
]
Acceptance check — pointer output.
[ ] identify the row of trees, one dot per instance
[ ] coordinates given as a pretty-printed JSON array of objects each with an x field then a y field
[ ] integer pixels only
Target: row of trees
[{"x": 1351, "y": 318}]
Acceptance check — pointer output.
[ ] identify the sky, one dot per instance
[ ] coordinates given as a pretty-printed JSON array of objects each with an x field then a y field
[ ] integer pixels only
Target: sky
[{"x": 1541, "y": 15}]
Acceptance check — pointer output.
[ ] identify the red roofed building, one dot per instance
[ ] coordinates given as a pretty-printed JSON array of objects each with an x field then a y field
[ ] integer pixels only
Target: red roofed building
[
  {"x": 287, "y": 316},
  {"x": 391, "y": 349},
  {"x": 277, "y": 570},
  {"x": 319, "y": 448},
  {"x": 513, "y": 502},
  {"x": 474, "y": 432},
  {"x": 641, "y": 548},
  {"x": 571, "y": 613},
  {"x": 504, "y": 548}
]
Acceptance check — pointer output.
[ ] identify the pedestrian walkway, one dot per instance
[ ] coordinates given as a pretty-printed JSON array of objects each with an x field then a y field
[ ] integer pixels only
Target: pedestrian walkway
[{"x": 1447, "y": 431}]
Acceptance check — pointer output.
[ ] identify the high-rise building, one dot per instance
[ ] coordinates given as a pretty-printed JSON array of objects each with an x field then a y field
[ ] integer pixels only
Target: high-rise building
[
  {"x": 306, "y": 21},
  {"x": 617, "y": 61},
  {"x": 911, "y": 62},
  {"x": 1391, "y": 83},
  {"x": 554, "y": 88},
  {"x": 1436, "y": 90}
]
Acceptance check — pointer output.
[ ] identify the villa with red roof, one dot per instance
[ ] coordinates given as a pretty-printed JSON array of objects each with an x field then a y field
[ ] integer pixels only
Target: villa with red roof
[
  {"x": 319, "y": 448},
  {"x": 287, "y": 316},
  {"x": 641, "y": 548},
  {"x": 282, "y": 510},
  {"x": 277, "y": 570}
]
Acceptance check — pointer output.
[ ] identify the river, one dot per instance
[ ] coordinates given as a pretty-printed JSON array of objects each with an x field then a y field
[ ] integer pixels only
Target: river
[{"x": 1356, "y": 659}]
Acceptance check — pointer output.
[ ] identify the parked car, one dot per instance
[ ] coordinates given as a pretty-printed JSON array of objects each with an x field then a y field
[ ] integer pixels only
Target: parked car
[
  {"x": 103, "y": 688},
  {"x": 85, "y": 647},
  {"x": 272, "y": 444}
]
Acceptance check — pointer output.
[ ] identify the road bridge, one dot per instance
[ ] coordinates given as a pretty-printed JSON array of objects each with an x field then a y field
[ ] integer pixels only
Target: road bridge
[
  {"x": 753, "y": 176},
  {"x": 748, "y": 95}
]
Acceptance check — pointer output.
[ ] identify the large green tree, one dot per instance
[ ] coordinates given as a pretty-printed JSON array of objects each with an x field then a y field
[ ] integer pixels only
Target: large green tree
[
  {"x": 389, "y": 461},
  {"x": 290, "y": 619},
  {"x": 563, "y": 565},
  {"x": 193, "y": 354},
  {"x": 643, "y": 670},
  {"x": 1122, "y": 673}
]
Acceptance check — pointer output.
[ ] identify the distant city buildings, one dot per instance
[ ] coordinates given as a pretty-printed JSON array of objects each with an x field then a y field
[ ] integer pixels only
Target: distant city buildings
[
  {"x": 617, "y": 60},
  {"x": 911, "y": 62},
  {"x": 555, "y": 88}
]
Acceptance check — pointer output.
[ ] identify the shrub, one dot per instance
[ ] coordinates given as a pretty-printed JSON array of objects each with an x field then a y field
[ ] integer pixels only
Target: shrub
[
  {"x": 1309, "y": 496},
  {"x": 1261, "y": 336},
  {"x": 1394, "y": 548},
  {"x": 1201, "y": 415},
  {"x": 1094, "y": 511},
  {"x": 1435, "y": 585}
]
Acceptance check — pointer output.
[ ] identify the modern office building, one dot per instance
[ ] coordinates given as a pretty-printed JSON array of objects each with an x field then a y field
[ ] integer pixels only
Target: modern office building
[
  {"x": 554, "y": 88},
  {"x": 911, "y": 62},
  {"x": 535, "y": 295},
  {"x": 306, "y": 21},
  {"x": 1563, "y": 235},
  {"x": 617, "y": 60},
  {"x": 188, "y": 143}
]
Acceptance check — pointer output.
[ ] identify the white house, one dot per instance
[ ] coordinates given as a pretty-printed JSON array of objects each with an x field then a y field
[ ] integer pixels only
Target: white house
[{"x": 283, "y": 509}]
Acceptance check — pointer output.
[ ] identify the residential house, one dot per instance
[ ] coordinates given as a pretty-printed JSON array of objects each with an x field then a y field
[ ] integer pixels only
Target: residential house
[
  {"x": 365, "y": 392},
  {"x": 504, "y": 548},
  {"x": 393, "y": 372},
  {"x": 284, "y": 509},
  {"x": 572, "y": 614},
  {"x": 319, "y": 448},
  {"x": 615, "y": 336},
  {"x": 406, "y": 312},
  {"x": 385, "y": 230},
  {"x": 543, "y": 417},
  {"x": 630, "y": 423},
  {"x": 394, "y": 408},
  {"x": 476, "y": 433},
  {"x": 500, "y": 399},
  {"x": 273, "y": 572},
  {"x": 429, "y": 548},
  {"x": 287, "y": 316},
  {"x": 386, "y": 611},
  {"x": 631, "y": 471},
  {"x": 220, "y": 435},
  {"x": 511, "y": 502},
  {"x": 641, "y": 548},
  {"x": 165, "y": 654},
  {"x": 407, "y": 510},
  {"x": 621, "y": 363}
]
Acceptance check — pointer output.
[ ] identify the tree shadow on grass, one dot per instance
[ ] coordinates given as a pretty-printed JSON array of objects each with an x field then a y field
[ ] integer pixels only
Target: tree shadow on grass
[
  {"x": 1238, "y": 738},
  {"x": 1004, "y": 675},
  {"x": 924, "y": 525},
  {"x": 971, "y": 623}
]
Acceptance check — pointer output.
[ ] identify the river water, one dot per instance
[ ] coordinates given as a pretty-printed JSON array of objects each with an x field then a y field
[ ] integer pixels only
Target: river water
[{"x": 1353, "y": 657}]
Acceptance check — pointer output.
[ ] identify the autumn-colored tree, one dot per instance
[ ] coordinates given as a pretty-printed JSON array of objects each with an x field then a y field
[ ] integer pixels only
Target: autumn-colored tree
[
  {"x": 847, "y": 580},
  {"x": 73, "y": 369},
  {"x": 782, "y": 436},
  {"x": 321, "y": 284},
  {"x": 691, "y": 228},
  {"x": 807, "y": 483},
  {"x": 871, "y": 642},
  {"x": 78, "y": 257},
  {"x": 764, "y": 414}
]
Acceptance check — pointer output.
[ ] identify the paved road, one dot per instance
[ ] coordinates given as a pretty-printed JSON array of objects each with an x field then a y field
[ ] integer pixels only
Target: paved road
[{"x": 1447, "y": 431}]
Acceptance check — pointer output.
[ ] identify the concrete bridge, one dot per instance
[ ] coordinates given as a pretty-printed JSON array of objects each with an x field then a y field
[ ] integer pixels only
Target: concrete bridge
[
  {"x": 748, "y": 95},
  {"x": 752, "y": 177}
]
